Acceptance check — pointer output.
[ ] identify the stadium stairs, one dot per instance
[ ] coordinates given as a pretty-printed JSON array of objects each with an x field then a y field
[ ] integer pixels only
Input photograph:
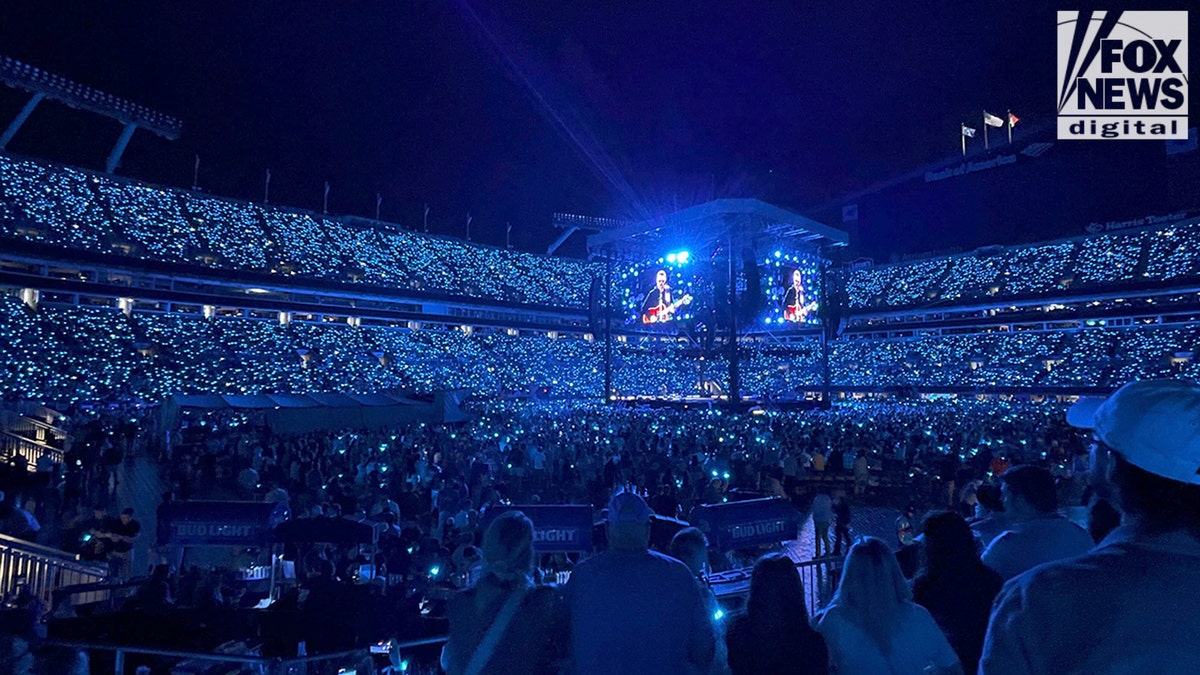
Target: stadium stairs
[{"x": 28, "y": 433}]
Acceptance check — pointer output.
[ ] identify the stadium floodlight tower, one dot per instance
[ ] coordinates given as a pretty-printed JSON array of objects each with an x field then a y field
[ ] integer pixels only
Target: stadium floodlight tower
[
  {"x": 716, "y": 230},
  {"x": 42, "y": 85}
]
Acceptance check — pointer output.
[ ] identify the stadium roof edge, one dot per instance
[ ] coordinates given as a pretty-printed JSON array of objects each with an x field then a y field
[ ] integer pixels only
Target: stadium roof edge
[{"x": 717, "y": 211}]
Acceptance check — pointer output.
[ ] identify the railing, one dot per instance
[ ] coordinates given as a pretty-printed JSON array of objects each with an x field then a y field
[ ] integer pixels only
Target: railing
[
  {"x": 300, "y": 665},
  {"x": 819, "y": 576},
  {"x": 43, "y": 569},
  {"x": 34, "y": 410},
  {"x": 100, "y": 595},
  {"x": 12, "y": 445},
  {"x": 34, "y": 430}
]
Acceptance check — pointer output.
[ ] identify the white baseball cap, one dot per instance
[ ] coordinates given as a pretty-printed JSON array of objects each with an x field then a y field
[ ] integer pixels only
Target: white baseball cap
[{"x": 1154, "y": 424}]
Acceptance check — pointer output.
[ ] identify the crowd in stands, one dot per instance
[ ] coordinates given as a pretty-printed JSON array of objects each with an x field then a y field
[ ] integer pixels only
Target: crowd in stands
[
  {"x": 1092, "y": 357},
  {"x": 99, "y": 213},
  {"x": 86, "y": 211},
  {"x": 1166, "y": 253},
  {"x": 95, "y": 353}
]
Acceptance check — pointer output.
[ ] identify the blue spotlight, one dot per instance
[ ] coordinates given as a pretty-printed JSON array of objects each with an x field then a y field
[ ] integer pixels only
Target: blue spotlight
[
  {"x": 683, "y": 256},
  {"x": 778, "y": 253},
  {"x": 671, "y": 257}
]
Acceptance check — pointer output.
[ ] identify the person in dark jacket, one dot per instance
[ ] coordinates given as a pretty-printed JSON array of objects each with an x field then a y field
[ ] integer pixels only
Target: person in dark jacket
[
  {"x": 774, "y": 636},
  {"x": 955, "y": 586}
]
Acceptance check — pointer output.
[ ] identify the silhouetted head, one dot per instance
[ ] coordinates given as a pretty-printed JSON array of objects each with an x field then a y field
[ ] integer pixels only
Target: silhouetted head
[
  {"x": 776, "y": 592},
  {"x": 690, "y": 547},
  {"x": 508, "y": 546},
  {"x": 628, "y": 522}
]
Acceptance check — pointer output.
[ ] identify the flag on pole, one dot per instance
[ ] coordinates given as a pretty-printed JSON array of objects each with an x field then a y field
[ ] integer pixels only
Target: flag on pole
[
  {"x": 325, "y": 201},
  {"x": 989, "y": 120},
  {"x": 1012, "y": 122},
  {"x": 508, "y": 235},
  {"x": 468, "y": 227},
  {"x": 968, "y": 132},
  {"x": 196, "y": 174},
  {"x": 426, "y": 218},
  {"x": 267, "y": 188}
]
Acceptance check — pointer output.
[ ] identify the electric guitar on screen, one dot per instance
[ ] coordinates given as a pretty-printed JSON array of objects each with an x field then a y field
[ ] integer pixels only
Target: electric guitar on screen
[
  {"x": 663, "y": 313},
  {"x": 799, "y": 312}
]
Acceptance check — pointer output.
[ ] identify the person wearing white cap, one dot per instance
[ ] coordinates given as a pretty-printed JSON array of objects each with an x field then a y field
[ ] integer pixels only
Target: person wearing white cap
[
  {"x": 633, "y": 610},
  {"x": 1129, "y": 605}
]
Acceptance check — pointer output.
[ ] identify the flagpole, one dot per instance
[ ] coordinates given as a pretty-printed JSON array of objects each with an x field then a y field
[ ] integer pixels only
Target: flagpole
[
  {"x": 196, "y": 174},
  {"x": 378, "y": 201},
  {"x": 508, "y": 235},
  {"x": 963, "y": 134},
  {"x": 1008, "y": 119},
  {"x": 985, "y": 126},
  {"x": 426, "y": 219},
  {"x": 267, "y": 189},
  {"x": 325, "y": 200},
  {"x": 468, "y": 227}
]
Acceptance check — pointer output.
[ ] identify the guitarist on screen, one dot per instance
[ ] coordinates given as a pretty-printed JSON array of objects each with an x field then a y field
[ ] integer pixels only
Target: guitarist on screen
[
  {"x": 795, "y": 305},
  {"x": 657, "y": 306}
]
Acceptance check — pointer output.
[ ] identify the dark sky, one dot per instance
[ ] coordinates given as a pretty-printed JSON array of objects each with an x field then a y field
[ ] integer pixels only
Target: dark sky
[{"x": 512, "y": 110}]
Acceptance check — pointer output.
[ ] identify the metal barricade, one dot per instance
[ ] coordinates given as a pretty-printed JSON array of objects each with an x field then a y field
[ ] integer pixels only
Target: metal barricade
[
  {"x": 34, "y": 429},
  {"x": 819, "y": 576},
  {"x": 12, "y": 445},
  {"x": 43, "y": 569},
  {"x": 300, "y": 665}
]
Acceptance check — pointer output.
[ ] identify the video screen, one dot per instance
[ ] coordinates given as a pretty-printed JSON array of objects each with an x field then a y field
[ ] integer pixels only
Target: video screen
[
  {"x": 794, "y": 294},
  {"x": 665, "y": 292},
  {"x": 661, "y": 303}
]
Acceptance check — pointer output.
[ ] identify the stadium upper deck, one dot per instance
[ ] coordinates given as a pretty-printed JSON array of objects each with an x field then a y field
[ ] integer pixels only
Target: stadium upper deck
[
  {"x": 1149, "y": 260},
  {"x": 72, "y": 211}
]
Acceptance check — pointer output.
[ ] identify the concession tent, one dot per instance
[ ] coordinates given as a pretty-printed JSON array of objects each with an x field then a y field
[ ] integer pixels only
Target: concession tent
[
  {"x": 747, "y": 524},
  {"x": 302, "y": 413}
]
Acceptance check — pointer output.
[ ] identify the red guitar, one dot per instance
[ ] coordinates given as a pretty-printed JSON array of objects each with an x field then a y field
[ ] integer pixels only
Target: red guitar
[
  {"x": 798, "y": 312},
  {"x": 663, "y": 313}
]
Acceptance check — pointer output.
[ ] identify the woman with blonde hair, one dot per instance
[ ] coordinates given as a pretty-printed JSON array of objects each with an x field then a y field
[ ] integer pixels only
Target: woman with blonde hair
[
  {"x": 505, "y": 624},
  {"x": 872, "y": 625}
]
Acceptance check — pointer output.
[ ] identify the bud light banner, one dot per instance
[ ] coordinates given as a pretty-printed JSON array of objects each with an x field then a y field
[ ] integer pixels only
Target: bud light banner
[
  {"x": 557, "y": 528},
  {"x": 747, "y": 524},
  {"x": 202, "y": 523}
]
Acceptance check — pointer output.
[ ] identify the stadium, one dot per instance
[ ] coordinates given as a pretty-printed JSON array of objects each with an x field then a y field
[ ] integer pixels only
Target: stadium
[{"x": 321, "y": 425}]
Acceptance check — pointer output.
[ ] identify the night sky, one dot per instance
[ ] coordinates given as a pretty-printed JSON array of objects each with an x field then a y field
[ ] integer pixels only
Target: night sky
[{"x": 513, "y": 110}]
